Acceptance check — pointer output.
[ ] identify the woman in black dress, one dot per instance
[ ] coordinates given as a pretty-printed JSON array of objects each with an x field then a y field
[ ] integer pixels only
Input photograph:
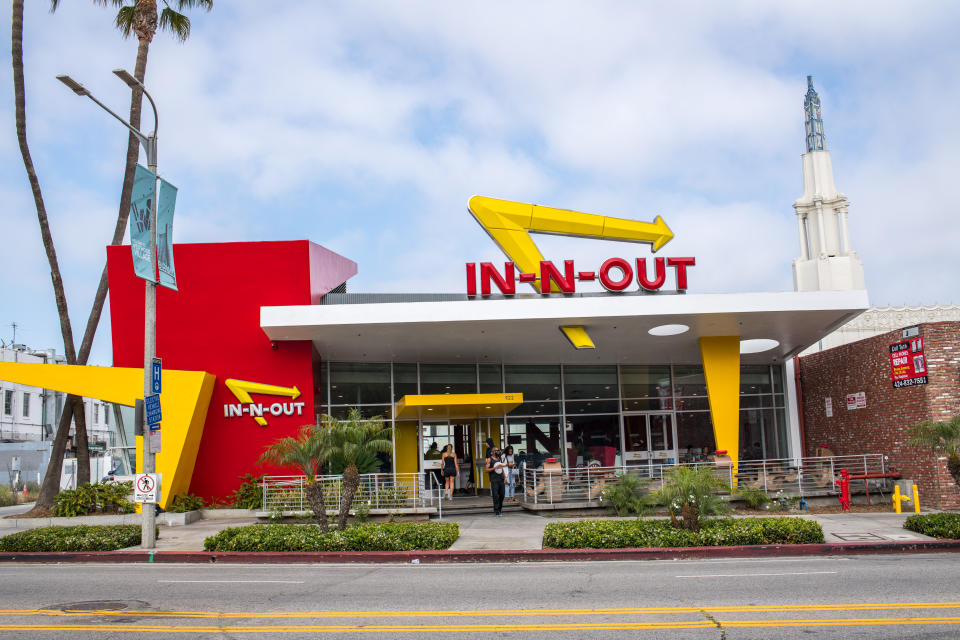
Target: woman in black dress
[{"x": 451, "y": 470}]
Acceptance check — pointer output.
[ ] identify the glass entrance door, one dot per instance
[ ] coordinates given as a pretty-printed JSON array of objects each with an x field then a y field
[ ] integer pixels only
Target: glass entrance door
[{"x": 649, "y": 438}]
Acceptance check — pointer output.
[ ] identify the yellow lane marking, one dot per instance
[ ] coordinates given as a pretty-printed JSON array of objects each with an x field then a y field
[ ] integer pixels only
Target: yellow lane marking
[
  {"x": 891, "y": 606},
  {"x": 613, "y": 626}
]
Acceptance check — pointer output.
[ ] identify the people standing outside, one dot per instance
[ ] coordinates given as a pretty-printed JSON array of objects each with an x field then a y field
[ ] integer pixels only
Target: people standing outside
[
  {"x": 451, "y": 469},
  {"x": 495, "y": 467},
  {"x": 510, "y": 473}
]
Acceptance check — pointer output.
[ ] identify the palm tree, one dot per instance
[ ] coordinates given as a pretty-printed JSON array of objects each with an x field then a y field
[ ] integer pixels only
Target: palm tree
[
  {"x": 138, "y": 17},
  {"x": 352, "y": 446},
  {"x": 941, "y": 437},
  {"x": 691, "y": 493},
  {"x": 305, "y": 452}
]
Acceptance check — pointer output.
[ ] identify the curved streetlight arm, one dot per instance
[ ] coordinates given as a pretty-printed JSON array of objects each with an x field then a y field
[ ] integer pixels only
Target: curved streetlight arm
[{"x": 132, "y": 82}]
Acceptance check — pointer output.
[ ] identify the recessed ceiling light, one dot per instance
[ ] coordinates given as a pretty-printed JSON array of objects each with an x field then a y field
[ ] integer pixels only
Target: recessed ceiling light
[
  {"x": 758, "y": 345},
  {"x": 669, "y": 330}
]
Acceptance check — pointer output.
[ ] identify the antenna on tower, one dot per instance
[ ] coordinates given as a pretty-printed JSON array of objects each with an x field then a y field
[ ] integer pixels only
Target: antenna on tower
[{"x": 813, "y": 121}]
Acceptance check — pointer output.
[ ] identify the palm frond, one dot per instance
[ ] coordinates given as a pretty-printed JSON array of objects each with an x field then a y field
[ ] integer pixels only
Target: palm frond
[
  {"x": 124, "y": 21},
  {"x": 183, "y": 5},
  {"x": 175, "y": 22}
]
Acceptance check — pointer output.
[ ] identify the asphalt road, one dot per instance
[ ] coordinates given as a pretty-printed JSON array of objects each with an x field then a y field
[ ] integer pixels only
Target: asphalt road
[{"x": 909, "y": 596}]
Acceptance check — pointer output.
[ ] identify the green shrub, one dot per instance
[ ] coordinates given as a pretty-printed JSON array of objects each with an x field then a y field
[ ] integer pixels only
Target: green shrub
[
  {"x": 753, "y": 497},
  {"x": 78, "y": 538},
  {"x": 629, "y": 496},
  {"x": 186, "y": 502},
  {"x": 94, "y": 498},
  {"x": 250, "y": 494},
  {"x": 626, "y": 534},
  {"x": 401, "y": 536},
  {"x": 935, "y": 525},
  {"x": 691, "y": 492},
  {"x": 6, "y": 496}
]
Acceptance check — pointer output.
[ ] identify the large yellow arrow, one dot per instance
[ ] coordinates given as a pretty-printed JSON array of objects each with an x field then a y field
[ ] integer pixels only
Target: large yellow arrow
[
  {"x": 242, "y": 390},
  {"x": 510, "y": 224}
]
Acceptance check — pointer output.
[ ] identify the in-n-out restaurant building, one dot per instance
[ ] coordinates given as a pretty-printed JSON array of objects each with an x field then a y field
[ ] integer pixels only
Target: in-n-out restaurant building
[{"x": 262, "y": 337}]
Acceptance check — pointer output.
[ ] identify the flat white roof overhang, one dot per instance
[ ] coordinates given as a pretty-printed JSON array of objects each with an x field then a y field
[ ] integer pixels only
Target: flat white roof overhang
[{"x": 527, "y": 330}]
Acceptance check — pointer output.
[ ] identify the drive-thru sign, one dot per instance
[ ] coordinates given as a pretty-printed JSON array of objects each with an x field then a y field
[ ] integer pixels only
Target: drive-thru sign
[{"x": 146, "y": 488}]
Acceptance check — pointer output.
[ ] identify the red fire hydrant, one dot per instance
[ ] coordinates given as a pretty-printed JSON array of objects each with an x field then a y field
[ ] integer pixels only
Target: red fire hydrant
[{"x": 844, "y": 496}]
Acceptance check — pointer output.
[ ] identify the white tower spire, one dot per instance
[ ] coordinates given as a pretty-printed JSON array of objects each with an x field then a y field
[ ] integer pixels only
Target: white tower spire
[{"x": 826, "y": 262}]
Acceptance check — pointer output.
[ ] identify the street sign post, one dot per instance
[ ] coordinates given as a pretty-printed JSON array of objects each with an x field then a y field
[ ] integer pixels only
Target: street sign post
[
  {"x": 156, "y": 375},
  {"x": 146, "y": 488},
  {"x": 152, "y": 406}
]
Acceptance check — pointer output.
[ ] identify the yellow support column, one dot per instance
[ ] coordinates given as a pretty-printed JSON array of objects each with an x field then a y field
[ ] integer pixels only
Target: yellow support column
[{"x": 721, "y": 367}]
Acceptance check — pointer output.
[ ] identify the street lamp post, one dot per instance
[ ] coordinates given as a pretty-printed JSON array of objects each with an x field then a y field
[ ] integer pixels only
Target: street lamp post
[{"x": 149, "y": 142}]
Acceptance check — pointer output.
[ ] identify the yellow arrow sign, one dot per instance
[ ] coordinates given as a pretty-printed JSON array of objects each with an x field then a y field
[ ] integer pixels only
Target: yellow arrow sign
[
  {"x": 510, "y": 224},
  {"x": 242, "y": 390}
]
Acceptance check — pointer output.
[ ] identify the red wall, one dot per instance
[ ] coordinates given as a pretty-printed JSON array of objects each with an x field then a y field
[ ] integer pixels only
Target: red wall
[
  {"x": 213, "y": 324},
  {"x": 883, "y": 427}
]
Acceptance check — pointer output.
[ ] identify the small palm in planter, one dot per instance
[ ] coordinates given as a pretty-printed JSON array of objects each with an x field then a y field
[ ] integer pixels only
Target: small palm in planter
[
  {"x": 351, "y": 447},
  {"x": 691, "y": 493},
  {"x": 305, "y": 452},
  {"x": 941, "y": 437}
]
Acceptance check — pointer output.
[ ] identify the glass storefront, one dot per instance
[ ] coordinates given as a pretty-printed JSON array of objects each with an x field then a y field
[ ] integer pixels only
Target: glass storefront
[{"x": 581, "y": 414}]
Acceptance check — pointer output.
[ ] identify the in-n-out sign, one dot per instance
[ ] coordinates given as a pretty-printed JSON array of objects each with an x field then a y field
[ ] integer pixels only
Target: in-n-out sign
[
  {"x": 510, "y": 224},
  {"x": 615, "y": 275}
]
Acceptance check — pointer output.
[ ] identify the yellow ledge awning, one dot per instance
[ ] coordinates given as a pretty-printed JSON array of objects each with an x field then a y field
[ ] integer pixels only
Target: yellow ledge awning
[{"x": 456, "y": 405}]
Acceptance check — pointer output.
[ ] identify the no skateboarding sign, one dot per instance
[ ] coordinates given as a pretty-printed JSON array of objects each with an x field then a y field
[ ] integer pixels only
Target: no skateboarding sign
[{"x": 146, "y": 488}]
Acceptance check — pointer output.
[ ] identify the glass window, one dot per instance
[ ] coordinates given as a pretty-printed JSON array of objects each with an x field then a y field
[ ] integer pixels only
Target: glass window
[
  {"x": 404, "y": 380},
  {"x": 536, "y": 408},
  {"x": 26, "y": 405},
  {"x": 648, "y": 404},
  {"x": 688, "y": 380},
  {"x": 693, "y": 404},
  {"x": 535, "y": 382},
  {"x": 106, "y": 414},
  {"x": 777, "y": 378},
  {"x": 761, "y": 436},
  {"x": 384, "y": 411},
  {"x": 491, "y": 378},
  {"x": 754, "y": 379},
  {"x": 8, "y": 402},
  {"x": 359, "y": 383},
  {"x": 695, "y": 435},
  {"x": 582, "y": 382},
  {"x": 593, "y": 438},
  {"x": 592, "y": 406},
  {"x": 448, "y": 378},
  {"x": 534, "y": 439},
  {"x": 645, "y": 381}
]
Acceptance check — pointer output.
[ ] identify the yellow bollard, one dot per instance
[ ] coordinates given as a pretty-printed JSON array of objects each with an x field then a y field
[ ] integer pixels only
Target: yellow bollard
[
  {"x": 896, "y": 498},
  {"x": 916, "y": 500}
]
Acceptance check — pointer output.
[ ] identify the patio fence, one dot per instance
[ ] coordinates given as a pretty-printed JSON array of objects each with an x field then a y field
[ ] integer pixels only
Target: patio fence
[
  {"x": 389, "y": 491},
  {"x": 793, "y": 476}
]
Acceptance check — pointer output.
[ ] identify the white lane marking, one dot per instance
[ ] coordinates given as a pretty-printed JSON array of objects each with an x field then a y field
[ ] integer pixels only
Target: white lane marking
[
  {"x": 752, "y": 575},
  {"x": 243, "y": 581}
]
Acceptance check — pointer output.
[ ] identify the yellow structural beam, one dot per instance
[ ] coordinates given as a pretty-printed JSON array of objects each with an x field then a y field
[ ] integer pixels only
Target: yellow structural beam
[
  {"x": 456, "y": 405},
  {"x": 578, "y": 337},
  {"x": 185, "y": 399},
  {"x": 721, "y": 367}
]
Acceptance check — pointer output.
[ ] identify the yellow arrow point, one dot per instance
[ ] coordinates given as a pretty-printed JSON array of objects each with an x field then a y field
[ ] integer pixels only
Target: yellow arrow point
[{"x": 296, "y": 393}]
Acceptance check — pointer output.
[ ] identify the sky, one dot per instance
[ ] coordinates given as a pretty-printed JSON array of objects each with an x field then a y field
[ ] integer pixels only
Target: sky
[{"x": 366, "y": 127}]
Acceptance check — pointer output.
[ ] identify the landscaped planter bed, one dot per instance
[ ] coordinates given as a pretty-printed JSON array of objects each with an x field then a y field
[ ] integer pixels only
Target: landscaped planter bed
[
  {"x": 637, "y": 534},
  {"x": 400, "y": 536}
]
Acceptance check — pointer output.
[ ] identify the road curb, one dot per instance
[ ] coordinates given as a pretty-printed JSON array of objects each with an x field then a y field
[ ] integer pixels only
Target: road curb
[{"x": 485, "y": 555}]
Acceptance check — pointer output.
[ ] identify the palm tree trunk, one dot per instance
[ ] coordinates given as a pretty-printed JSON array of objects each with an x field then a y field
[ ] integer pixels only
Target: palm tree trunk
[
  {"x": 317, "y": 503},
  {"x": 350, "y": 483},
  {"x": 51, "y": 481}
]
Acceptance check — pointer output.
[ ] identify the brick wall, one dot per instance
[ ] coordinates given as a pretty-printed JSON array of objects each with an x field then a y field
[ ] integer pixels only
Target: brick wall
[{"x": 882, "y": 427}]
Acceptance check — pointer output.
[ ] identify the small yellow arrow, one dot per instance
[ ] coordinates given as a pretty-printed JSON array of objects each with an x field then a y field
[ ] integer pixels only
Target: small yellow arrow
[
  {"x": 242, "y": 390},
  {"x": 510, "y": 224}
]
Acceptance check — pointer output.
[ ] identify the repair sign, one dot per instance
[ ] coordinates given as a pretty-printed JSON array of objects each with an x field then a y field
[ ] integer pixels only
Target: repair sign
[{"x": 908, "y": 365}]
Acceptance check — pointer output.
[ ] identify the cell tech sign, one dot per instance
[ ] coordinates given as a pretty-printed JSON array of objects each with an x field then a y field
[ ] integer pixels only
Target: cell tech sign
[{"x": 511, "y": 223}]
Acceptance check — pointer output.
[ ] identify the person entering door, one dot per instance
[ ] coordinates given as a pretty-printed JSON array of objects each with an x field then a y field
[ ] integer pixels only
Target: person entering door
[{"x": 495, "y": 467}]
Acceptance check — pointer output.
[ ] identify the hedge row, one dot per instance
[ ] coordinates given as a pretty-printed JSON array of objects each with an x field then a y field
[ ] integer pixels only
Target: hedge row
[
  {"x": 936, "y": 525},
  {"x": 629, "y": 534},
  {"x": 401, "y": 536},
  {"x": 76, "y": 538}
]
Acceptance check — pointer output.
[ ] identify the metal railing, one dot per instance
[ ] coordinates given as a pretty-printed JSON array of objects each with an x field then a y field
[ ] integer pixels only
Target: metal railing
[
  {"x": 387, "y": 491},
  {"x": 793, "y": 476}
]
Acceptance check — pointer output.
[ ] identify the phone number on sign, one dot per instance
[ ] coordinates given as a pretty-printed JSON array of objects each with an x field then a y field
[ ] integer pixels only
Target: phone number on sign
[{"x": 909, "y": 382}]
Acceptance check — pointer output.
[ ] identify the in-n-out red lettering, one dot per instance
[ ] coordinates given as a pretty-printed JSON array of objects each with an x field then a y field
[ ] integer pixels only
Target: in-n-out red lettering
[{"x": 608, "y": 282}]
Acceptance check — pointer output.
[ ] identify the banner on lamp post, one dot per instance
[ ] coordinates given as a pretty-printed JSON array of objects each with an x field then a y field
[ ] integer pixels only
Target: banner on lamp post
[
  {"x": 168, "y": 201},
  {"x": 141, "y": 203}
]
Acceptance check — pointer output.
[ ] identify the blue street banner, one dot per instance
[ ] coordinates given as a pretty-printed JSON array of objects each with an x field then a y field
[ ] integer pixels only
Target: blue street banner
[
  {"x": 168, "y": 201},
  {"x": 141, "y": 201}
]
